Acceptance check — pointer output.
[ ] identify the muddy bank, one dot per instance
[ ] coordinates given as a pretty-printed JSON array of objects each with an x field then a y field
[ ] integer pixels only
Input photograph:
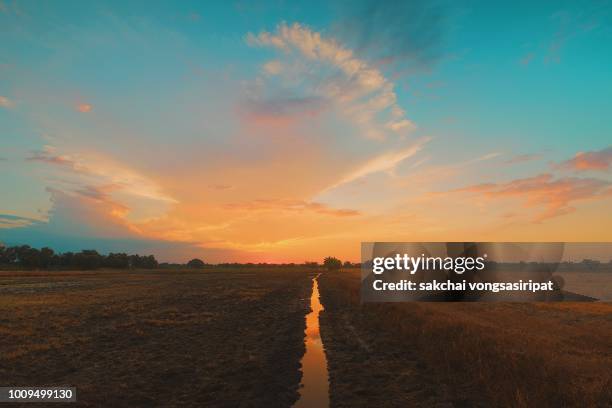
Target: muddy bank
[{"x": 217, "y": 338}]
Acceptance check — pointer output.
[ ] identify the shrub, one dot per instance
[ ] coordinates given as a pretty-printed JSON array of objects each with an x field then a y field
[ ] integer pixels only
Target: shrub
[
  {"x": 195, "y": 263},
  {"x": 332, "y": 264}
]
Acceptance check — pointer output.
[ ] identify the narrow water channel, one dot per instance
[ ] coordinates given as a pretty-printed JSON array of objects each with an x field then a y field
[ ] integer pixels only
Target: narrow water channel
[{"x": 314, "y": 391}]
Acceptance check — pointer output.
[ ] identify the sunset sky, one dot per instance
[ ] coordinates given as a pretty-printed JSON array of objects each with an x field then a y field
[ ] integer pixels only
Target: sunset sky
[{"x": 284, "y": 131}]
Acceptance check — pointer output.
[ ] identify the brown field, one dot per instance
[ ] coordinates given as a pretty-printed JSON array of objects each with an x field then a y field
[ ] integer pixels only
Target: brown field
[
  {"x": 234, "y": 338},
  {"x": 164, "y": 338},
  {"x": 464, "y": 354}
]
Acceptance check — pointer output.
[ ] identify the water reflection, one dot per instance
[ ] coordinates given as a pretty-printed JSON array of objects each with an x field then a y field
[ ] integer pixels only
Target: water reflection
[{"x": 315, "y": 381}]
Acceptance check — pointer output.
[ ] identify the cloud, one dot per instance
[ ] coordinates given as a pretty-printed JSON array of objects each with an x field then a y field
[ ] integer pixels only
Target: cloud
[
  {"x": 78, "y": 222},
  {"x": 220, "y": 187},
  {"x": 522, "y": 158},
  {"x": 401, "y": 32},
  {"x": 82, "y": 214},
  {"x": 98, "y": 170},
  {"x": 314, "y": 46},
  {"x": 84, "y": 107},
  {"x": 15, "y": 221},
  {"x": 6, "y": 102},
  {"x": 48, "y": 155},
  {"x": 553, "y": 196},
  {"x": 383, "y": 162},
  {"x": 572, "y": 24},
  {"x": 292, "y": 205},
  {"x": 484, "y": 157},
  {"x": 281, "y": 109},
  {"x": 600, "y": 160},
  {"x": 324, "y": 69}
]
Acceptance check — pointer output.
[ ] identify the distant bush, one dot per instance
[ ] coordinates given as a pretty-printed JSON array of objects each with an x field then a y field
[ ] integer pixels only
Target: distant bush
[
  {"x": 332, "y": 264},
  {"x": 196, "y": 263}
]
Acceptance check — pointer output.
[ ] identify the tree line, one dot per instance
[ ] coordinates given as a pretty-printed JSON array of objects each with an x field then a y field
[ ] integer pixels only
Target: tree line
[{"x": 26, "y": 257}]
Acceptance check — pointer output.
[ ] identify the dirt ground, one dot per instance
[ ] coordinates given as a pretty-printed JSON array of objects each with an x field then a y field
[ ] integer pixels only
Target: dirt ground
[
  {"x": 217, "y": 338},
  {"x": 463, "y": 354},
  {"x": 235, "y": 338}
]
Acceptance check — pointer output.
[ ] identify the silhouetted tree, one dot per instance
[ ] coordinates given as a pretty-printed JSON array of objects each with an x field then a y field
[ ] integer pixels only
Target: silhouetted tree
[
  {"x": 87, "y": 259},
  {"x": 117, "y": 260},
  {"x": 148, "y": 262},
  {"x": 28, "y": 257},
  {"x": 46, "y": 257},
  {"x": 66, "y": 260},
  {"x": 196, "y": 263},
  {"x": 7, "y": 255},
  {"x": 332, "y": 263},
  {"x": 142, "y": 262}
]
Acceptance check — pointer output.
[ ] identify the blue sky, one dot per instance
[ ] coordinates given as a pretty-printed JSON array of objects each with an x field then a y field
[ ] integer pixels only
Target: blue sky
[{"x": 189, "y": 124}]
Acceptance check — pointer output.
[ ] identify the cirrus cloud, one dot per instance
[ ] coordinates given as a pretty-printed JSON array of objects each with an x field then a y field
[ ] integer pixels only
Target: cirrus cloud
[{"x": 383, "y": 162}]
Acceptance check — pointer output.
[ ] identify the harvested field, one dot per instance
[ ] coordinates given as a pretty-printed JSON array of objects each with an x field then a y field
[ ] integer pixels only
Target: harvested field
[
  {"x": 235, "y": 337},
  {"x": 165, "y": 338},
  {"x": 464, "y": 354}
]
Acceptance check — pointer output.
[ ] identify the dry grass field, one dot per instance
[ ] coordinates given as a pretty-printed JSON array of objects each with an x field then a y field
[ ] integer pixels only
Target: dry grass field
[
  {"x": 464, "y": 354},
  {"x": 234, "y": 338},
  {"x": 166, "y": 338}
]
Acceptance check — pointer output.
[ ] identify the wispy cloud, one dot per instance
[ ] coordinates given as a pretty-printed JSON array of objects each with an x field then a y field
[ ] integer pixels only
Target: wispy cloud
[
  {"x": 327, "y": 69},
  {"x": 571, "y": 24},
  {"x": 384, "y": 162},
  {"x": 49, "y": 156},
  {"x": 15, "y": 221},
  {"x": 292, "y": 205},
  {"x": 102, "y": 171},
  {"x": 554, "y": 196},
  {"x": 284, "y": 109},
  {"x": 484, "y": 157},
  {"x": 600, "y": 160},
  {"x": 522, "y": 158},
  {"x": 409, "y": 33},
  {"x": 220, "y": 187}
]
